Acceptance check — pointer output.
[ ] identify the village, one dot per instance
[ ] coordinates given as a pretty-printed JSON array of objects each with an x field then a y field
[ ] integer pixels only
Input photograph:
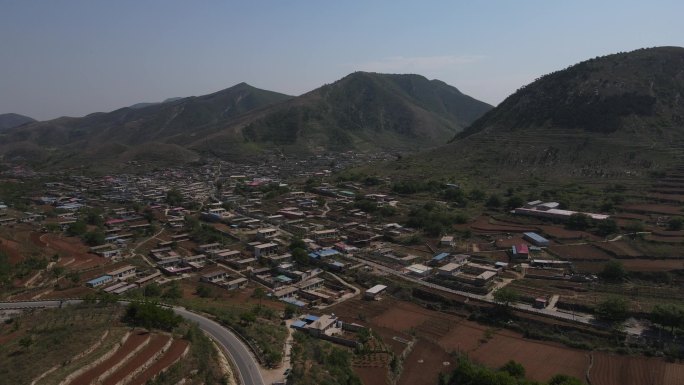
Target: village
[{"x": 322, "y": 250}]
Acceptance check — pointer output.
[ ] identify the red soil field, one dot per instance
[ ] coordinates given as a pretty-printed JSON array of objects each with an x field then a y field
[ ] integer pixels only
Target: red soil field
[
  {"x": 401, "y": 317},
  {"x": 424, "y": 364},
  {"x": 610, "y": 369},
  {"x": 620, "y": 249},
  {"x": 175, "y": 351},
  {"x": 580, "y": 252},
  {"x": 653, "y": 208},
  {"x": 541, "y": 360},
  {"x": 131, "y": 343},
  {"x": 560, "y": 233},
  {"x": 372, "y": 376},
  {"x": 157, "y": 342},
  {"x": 506, "y": 243},
  {"x": 77, "y": 255},
  {"x": 653, "y": 264},
  {"x": 11, "y": 248}
]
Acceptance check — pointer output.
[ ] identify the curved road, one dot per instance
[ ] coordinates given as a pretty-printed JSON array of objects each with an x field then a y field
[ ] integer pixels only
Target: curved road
[{"x": 248, "y": 368}]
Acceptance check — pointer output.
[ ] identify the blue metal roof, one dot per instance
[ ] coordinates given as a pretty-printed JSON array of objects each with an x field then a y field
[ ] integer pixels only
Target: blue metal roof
[
  {"x": 535, "y": 237},
  {"x": 100, "y": 279},
  {"x": 310, "y": 318},
  {"x": 293, "y": 301},
  {"x": 298, "y": 324},
  {"x": 328, "y": 252},
  {"x": 440, "y": 256}
]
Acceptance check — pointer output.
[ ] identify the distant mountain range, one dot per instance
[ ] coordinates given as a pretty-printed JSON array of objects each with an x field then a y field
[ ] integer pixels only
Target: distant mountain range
[
  {"x": 13, "y": 120},
  {"x": 616, "y": 116},
  {"x": 363, "y": 111}
]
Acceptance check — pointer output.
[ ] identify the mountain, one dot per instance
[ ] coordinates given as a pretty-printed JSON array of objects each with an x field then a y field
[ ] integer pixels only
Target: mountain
[
  {"x": 363, "y": 111},
  {"x": 158, "y": 132},
  {"x": 147, "y": 104},
  {"x": 13, "y": 120},
  {"x": 369, "y": 111},
  {"x": 616, "y": 116}
]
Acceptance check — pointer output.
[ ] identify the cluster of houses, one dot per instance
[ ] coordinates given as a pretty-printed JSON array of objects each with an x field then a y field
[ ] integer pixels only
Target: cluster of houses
[{"x": 122, "y": 279}]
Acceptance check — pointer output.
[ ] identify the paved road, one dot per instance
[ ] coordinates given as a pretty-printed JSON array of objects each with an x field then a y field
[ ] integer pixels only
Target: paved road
[{"x": 248, "y": 367}]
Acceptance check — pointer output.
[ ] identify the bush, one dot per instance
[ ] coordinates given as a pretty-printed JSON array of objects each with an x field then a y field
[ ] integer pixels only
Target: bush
[{"x": 151, "y": 316}]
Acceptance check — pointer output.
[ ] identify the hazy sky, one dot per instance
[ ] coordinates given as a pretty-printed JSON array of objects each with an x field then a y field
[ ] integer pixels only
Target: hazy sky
[{"x": 68, "y": 57}]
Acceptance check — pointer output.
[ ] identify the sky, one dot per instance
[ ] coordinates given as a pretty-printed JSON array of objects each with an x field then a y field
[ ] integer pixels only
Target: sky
[{"x": 75, "y": 57}]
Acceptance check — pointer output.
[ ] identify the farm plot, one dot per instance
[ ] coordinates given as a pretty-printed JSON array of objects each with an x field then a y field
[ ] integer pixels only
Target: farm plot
[
  {"x": 651, "y": 265},
  {"x": 579, "y": 252},
  {"x": 134, "y": 341},
  {"x": 424, "y": 364},
  {"x": 542, "y": 360},
  {"x": 175, "y": 352},
  {"x": 620, "y": 249},
  {"x": 611, "y": 369},
  {"x": 157, "y": 343},
  {"x": 401, "y": 317}
]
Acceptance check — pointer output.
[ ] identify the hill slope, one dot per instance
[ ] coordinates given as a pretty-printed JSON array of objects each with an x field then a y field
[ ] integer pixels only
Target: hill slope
[
  {"x": 158, "y": 132},
  {"x": 368, "y": 111},
  {"x": 363, "y": 111},
  {"x": 12, "y": 120},
  {"x": 615, "y": 116}
]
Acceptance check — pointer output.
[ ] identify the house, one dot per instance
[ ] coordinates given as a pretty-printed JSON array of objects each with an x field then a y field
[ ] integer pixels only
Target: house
[
  {"x": 265, "y": 234},
  {"x": 520, "y": 252},
  {"x": 123, "y": 272},
  {"x": 107, "y": 251},
  {"x": 550, "y": 210},
  {"x": 214, "y": 276},
  {"x": 374, "y": 291},
  {"x": 446, "y": 241},
  {"x": 209, "y": 247},
  {"x": 450, "y": 269},
  {"x": 440, "y": 259},
  {"x": 265, "y": 249},
  {"x": 536, "y": 239},
  {"x": 325, "y": 235},
  {"x": 418, "y": 270},
  {"x": 237, "y": 283},
  {"x": 99, "y": 281}
]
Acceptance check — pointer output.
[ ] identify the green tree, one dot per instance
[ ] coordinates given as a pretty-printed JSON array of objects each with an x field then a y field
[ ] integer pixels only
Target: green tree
[
  {"x": 563, "y": 379},
  {"x": 606, "y": 227},
  {"x": 203, "y": 291},
  {"x": 300, "y": 256},
  {"x": 151, "y": 316},
  {"x": 174, "y": 197},
  {"x": 94, "y": 238},
  {"x": 675, "y": 224},
  {"x": 669, "y": 315},
  {"x": 515, "y": 369},
  {"x": 77, "y": 229},
  {"x": 613, "y": 310},
  {"x": 514, "y": 202},
  {"x": 152, "y": 290},
  {"x": 578, "y": 221},
  {"x": 174, "y": 291},
  {"x": 26, "y": 342},
  {"x": 289, "y": 311},
  {"x": 506, "y": 296},
  {"x": 613, "y": 271},
  {"x": 297, "y": 243},
  {"x": 494, "y": 201}
]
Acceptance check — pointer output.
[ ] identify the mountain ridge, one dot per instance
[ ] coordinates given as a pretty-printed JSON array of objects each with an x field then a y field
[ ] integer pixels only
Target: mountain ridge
[
  {"x": 362, "y": 111},
  {"x": 615, "y": 116},
  {"x": 12, "y": 120}
]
